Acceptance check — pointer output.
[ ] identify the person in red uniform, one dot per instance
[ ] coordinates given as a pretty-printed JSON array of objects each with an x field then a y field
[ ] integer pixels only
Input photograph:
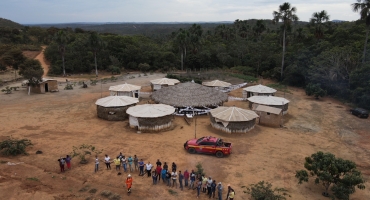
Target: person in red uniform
[
  {"x": 129, "y": 183},
  {"x": 159, "y": 170}
]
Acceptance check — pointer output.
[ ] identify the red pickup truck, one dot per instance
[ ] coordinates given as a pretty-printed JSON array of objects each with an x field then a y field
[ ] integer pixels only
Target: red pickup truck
[{"x": 208, "y": 145}]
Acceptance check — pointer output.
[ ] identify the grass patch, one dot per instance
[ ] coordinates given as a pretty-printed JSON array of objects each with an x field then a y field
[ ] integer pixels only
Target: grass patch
[
  {"x": 3, "y": 161},
  {"x": 115, "y": 197},
  {"x": 279, "y": 87},
  {"x": 84, "y": 189},
  {"x": 93, "y": 191},
  {"x": 173, "y": 192},
  {"x": 33, "y": 179},
  {"x": 106, "y": 193},
  {"x": 244, "y": 77}
]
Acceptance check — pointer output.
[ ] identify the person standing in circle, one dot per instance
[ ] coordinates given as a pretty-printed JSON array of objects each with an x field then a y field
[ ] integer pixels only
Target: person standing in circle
[
  {"x": 129, "y": 181},
  {"x": 149, "y": 168},
  {"x": 141, "y": 166},
  {"x": 68, "y": 161},
  {"x": 96, "y": 163},
  {"x": 107, "y": 161}
]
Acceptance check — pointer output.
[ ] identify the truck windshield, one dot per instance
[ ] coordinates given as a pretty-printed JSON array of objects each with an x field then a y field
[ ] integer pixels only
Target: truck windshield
[{"x": 200, "y": 139}]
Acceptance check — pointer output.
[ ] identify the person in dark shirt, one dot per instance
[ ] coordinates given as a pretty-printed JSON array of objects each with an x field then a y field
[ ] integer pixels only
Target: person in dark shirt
[
  {"x": 158, "y": 163},
  {"x": 174, "y": 167},
  {"x": 165, "y": 166},
  {"x": 168, "y": 178},
  {"x": 213, "y": 189},
  {"x": 61, "y": 161}
]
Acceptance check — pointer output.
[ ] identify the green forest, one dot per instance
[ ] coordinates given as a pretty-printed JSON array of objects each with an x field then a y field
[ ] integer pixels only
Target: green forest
[{"x": 329, "y": 55}]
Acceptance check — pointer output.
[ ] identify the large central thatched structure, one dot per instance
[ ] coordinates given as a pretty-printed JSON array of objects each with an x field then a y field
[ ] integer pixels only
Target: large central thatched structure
[
  {"x": 233, "y": 119},
  {"x": 151, "y": 117},
  {"x": 113, "y": 108},
  {"x": 189, "y": 95}
]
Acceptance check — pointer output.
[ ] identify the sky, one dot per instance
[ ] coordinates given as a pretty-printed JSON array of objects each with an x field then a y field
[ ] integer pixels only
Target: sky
[{"x": 66, "y": 11}]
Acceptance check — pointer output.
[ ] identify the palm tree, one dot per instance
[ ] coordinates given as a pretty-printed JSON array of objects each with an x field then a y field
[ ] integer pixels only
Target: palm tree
[
  {"x": 286, "y": 14},
  {"x": 181, "y": 41},
  {"x": 259, "y": 28},
  {"x": 96, "y": 43},
  {"x": 61, "y": 38},
  {"x": 318, "y": 18},
  {"x": 363, "y": 6}
]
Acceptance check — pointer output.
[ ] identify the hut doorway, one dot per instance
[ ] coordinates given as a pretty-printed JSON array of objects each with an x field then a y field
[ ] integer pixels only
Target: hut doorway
[
  {"x": 136, "y": 94},
  {"x": 46, "y": 87}
]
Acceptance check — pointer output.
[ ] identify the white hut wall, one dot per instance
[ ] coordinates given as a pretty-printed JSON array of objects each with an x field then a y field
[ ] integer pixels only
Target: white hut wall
[
  {"x": 156, "y": 87},
  {"x": 234, "y": 127},
  {"x": 112, "y": 113},
  {"x": 284, "y": 107},
  {"x": 269, "y": 119}
]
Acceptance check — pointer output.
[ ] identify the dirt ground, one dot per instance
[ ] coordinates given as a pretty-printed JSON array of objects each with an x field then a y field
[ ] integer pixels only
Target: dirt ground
[{"x": 55, "y": 122}]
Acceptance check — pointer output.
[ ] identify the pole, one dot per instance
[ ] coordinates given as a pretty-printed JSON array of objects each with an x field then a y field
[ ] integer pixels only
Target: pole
[
  {"x": 195, "y": 125},
  {"x": 282, "y": 114},
  {"x": 101, "y": 88}
]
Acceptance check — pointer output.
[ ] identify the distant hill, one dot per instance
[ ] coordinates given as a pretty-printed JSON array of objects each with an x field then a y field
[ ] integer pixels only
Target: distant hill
[{"x": 9, "y": 23}]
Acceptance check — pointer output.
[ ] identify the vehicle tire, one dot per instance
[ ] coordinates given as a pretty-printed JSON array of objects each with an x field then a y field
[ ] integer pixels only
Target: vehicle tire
[
  {"x": 191, "y": 150},
  {"x": 219, "y": 154}
]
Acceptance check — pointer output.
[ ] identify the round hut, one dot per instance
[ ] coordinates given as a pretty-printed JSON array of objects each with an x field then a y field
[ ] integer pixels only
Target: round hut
[
  {"x": 258, "y": 90},
  {"x": 151, "y": 117},
  {"x": 157, "y": 84},
  {"x": 125, "y": 90},
  {"x": 233, "y": 119},
  {"x": 217, "y": 84},
  {"x": 272, "y": 101},
  {"x": 190, "y": 98},
  {"x": 113, "y": 108}
]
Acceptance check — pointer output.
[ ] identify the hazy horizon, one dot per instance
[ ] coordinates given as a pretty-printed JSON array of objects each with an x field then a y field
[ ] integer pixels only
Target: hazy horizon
[{"x": 162, "y": 11}]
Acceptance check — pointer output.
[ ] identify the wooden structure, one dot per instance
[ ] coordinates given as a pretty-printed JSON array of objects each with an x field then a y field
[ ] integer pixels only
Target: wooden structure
[{"x": 46, "y": 85}]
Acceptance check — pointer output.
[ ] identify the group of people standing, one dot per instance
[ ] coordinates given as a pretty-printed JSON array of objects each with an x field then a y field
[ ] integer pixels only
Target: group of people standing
[
  {"x": 190, "y": 180},
  {"x": 63, "y": 161}
]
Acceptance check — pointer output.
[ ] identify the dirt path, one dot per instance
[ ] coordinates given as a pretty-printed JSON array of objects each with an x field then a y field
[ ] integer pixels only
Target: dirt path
[{"x": 41, "y": 58}]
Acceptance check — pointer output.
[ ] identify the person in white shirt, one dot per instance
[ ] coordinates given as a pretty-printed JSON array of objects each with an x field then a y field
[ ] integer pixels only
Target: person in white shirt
[
  {"x": 174, "y": 178},
  {"x": 149, "y": 169},
  {"x": 107, "y": 161},
  {"x": 96, "y": 163},
  {"x": 124, "y": 163}
]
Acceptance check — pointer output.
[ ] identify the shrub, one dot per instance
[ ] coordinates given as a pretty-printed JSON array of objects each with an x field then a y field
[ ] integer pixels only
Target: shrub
[
  {"x": 200, "y": 169},
  {"x": 262, "y": 191},
  {"x": 68, "y": 87},
  {"x": 83, "y": 150},
  {"x": 14, "y": 147},
  {"x": 7, "y": 90},
  {"x": 315, "y": 90}
]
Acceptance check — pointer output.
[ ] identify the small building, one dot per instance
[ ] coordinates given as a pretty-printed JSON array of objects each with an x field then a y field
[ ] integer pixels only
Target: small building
[
  {"x": 272, "y": 101},
  {"x": 46, "y": 85},
  {"x": 258, "y": 90},
  {"x": 233, "y": 119},
  {"x": 113, "y": 108},
  {"x": 269, "y": 116},
  {"x": 157, "y": 84},
  {"x": 217, "y": 84},
  {"x": 151, "y": 117},
  {"x": 125, "y": 90}
]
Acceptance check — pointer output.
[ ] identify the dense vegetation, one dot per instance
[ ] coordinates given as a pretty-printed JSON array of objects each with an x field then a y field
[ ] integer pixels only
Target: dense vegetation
[{"x": 316, "y": 53}]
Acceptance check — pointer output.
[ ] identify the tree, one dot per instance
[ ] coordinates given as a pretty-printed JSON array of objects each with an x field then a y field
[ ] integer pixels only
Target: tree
[
  {"x": 181, "y": 41},
  {"x": 259, "y": 28},
  {"x": 260, "y": 191},
  {"x": 363, "y": 6},
  {"x": 286, "y": 14},
  {"x": 14, "y": 57},
  {"x": 331, "y": 170},
  {"x": 14, "y": 147},
  {"x": 31, "y": 69},
  {"x": 61, "y": 38},
  {"x": 318, "y": 18},
  {"x": 96, "y": 43},
  {"x": 144, "y": 67},
  {"x": 315, "y": 90}
]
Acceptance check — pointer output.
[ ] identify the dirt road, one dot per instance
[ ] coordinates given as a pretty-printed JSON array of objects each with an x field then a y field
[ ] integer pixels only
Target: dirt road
[{"x": 41, "y": 58}]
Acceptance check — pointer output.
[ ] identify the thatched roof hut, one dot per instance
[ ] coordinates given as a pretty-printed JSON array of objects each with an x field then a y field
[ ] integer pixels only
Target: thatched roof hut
[
  {"x": 151, "y": 117},
  {"x": 189, "y": 95},
  {"x": 163, "y": 82},
  {"x": 233, "y": 119},
  {"x": 217, "y": 84},
  {"x": 125, "y": 90},
  {"x": 277, "y": 102},
  {"x": 258, "y": 90},
  {"x": 113, "y": 108}
]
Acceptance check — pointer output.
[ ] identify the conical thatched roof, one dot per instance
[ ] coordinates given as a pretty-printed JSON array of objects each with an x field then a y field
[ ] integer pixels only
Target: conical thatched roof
[
  {"x": 124, "y": 88},
  {"x": 216, "y": 83},
  {"x": 165, "y": 81},
  {"x": 233, "y": 114},
  {"x": 268, "y": 100},
  {"x": 189, "y": 95},
  {"x": 116, "y": 101},
  {"x": 260, "y": 89},
  {"x": 150, "y": 110}
]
